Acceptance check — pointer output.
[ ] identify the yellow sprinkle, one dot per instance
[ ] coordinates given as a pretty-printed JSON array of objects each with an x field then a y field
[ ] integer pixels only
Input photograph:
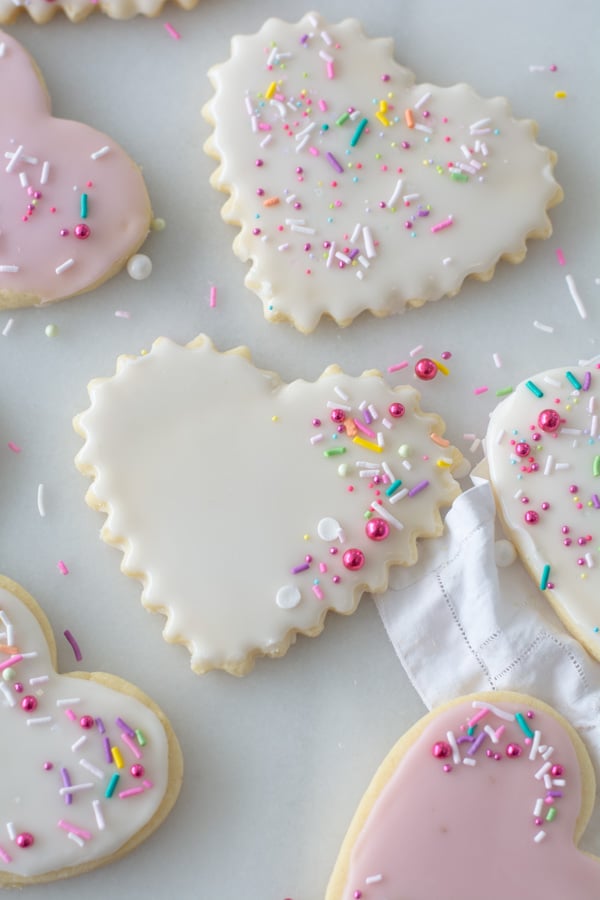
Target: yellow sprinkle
[
  {"x": 384, "y": 121},
  {"x": 369, "y": 445},
  {"x": 443, "y": 369},
  {"x": 271, "y": 90},
  {"x": 444, "y": 463},
  {"x": 116, "y": 755},
  {"x": 274, "y": 418},
  {"x": 143, "y": 353},
  {"x": 560, "y": 95},
  {"x": 382, "y": 106},
  {"x": 307, "y": 537}
]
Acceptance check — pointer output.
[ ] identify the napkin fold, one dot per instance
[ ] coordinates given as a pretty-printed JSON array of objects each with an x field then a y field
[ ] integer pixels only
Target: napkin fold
[{"x": 461, "y": 624}]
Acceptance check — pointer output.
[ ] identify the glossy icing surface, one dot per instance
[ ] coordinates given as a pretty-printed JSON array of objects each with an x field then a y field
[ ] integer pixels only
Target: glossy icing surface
[
  {"x": 476, "y": 821},
  {"x": 54, "y": 242},
  {"x": 46, "y": 748},
  {"x": 236, "y": 498},
  {"x": 356, "y": 189},
  {"x": 76, "y": 10},
  {"x": 547, "y": 485}
]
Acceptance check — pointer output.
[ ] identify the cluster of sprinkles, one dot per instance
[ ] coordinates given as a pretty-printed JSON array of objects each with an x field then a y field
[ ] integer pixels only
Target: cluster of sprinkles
[
  {"x": 493, "y": 734},
  {"x": 383, "y": 469},
  {"x": 334, "y": 149},
  {"x": 82, "y": 783}
]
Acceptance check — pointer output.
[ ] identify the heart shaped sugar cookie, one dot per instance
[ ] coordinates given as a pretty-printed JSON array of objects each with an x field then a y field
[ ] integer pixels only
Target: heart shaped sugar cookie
[
  {"x": 74, "y": 205},
  {"x": 355, "y": 188},
  {"x": 247, "y": 507},
  {"x": 480, "y": 798},
  {"x": 91, "y": 765},
  {"x": 543, "y": 460}
]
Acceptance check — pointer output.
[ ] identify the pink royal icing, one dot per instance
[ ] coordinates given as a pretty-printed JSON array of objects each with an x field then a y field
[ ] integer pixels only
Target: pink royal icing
[
  {"x": 74, "y": 205},
  {"x": 490, "y": 813}
]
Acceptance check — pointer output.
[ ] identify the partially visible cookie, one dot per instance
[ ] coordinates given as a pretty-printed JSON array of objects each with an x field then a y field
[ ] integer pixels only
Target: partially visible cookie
[
  {"x": 42, "y": 11},
  {"x": 543, "y": 457},
  {"x": 354, "y": 188},
  {"x": 74, "y": 205},
  {"x": 487, "y": 796},
  {"x": 91, "y": 766},
  {"x": 247, "y": 507}
]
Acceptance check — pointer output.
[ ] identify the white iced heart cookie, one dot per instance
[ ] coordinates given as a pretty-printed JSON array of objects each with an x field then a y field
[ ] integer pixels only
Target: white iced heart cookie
[
  {"x": 356, "y": 189},
  {"x": 481, "y": 796},
  {"x": 543, "y": 458},
  {"x": 74, "y": 205},
  {"x": 91, "y": 765},
  {"x": 247, "y": 507}
]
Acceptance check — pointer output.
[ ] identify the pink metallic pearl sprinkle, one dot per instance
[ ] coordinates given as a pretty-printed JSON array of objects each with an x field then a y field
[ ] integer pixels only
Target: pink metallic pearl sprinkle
[
  {"x": 353, "y": 559},
  {"x": 24, "y": 839},
  {"x": 86, "y": 721},
  {"x": 377, "y": 529},
  {"x": 426, "y": 369},
  {"x": 29, "y": 703}
]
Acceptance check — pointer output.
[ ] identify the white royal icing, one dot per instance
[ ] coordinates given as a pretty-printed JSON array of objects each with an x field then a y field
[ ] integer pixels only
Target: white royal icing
[
  {"x": 33, "y": 800},
  {"x": 216, "y": 482},
  {"x": 356, "y": 189}
]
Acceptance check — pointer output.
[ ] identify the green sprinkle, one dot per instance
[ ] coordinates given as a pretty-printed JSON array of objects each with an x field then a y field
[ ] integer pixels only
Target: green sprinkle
[
  {"x": 359, "y": 130},
  {"x": 574, "y": 381},
  {"x": 140, "y": 738},
  {"x": 523, "y": 725},
  {"x": 83, "y": 209},
  {"x": 551, "y": 814},
  {"x": 334, "y": 451},
  {"x": 504, "y": 391},
  {"x": 596, "y": 465},
  {"x": 343, "y": 118},
  {"x": 544, "y": 578},
  {"x": 459, "y": 176},
  {"x": 534, "y": 389},
  {"x": 111, "y": 786},
  {"x": 393, "y": 487}
]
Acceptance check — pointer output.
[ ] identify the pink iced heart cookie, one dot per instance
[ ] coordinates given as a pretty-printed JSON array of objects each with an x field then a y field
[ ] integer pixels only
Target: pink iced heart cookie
[
  {"x": 485, "y": 797},
  {"x": 248, "y": 507},
  {"x": 543, "y": 458},
  {"x": 353, "y": 187},
  {"x": 74, "y": 205},
  {"x": 91, "y": 765}
]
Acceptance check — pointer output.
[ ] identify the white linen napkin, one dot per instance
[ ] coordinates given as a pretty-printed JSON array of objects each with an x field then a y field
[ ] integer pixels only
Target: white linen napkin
[{"x": 460, "y": 624}]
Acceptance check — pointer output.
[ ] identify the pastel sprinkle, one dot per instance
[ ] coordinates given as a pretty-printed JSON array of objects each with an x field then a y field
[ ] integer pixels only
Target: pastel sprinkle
[
  {"x": 523, "y": 725},
  {"x": 545, "y": 577},
  {"x": 534, "y": 389},
  {"x": 110, "y": 789},
  {"x": 62, "y": 567},
  {"x": 74, "y": 645},
  {"x": 573, "y": 380},
  {"x": 333, "y": 162},
  {"x": 172, "y": 32},
  {"x": 359, "y": 130}
]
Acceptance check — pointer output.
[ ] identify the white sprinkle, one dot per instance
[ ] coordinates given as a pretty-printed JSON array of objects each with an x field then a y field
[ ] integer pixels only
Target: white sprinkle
[
  {"x": 484, "y": 149},
  {"x": 359, "y": 274},
  {"x": 32, "y": 654},
  {"x": 40, "y": 500},
  {"x": 280, "y": 107},
  {"x": 539, "y": 806},
  {"x": 364, "y": 262},
  {"x": 68, "y": 701},
  {"x": 491, "y": 733},
  {"x": 594, "y": 427},
  {"x": 465, "y": 151},
  {"x": 480, "y": 123},
  {"x": 547, "y": 782},
  {"x": 10, "y": 632},
  {"x": 331, "y": 255},
  {"x": 355, "y": 233},
  {"x": 407, "y": 464},
  {"x": 373, "y": 879},
  {"x": 398, "y": 495},
  {"x": 539, "y": 836},
  {"x": 386, "y": 423},
  {"x": 15, "y": 158},
  {"x": 497, "y": 360},
  {"x": 537, "y": 68},
  {"x": 561, "y": 467},
  {"x": 2, "y": 49},
  {"x": 469, "y": 761},
  {"x": 98, "y": 813},
  {"x": 395, "y": 193},
  {"x": 446, "y": 260},
  {"x": 372, "y": 409},
  {"x": 316, "y": 438},
  {"x": 342, "y": 394},
  {"x": 383, "y": 512},
  {"x": 559, "y": 782},
  {"x": 78, "y": 743},
  {"x": 541, "y": 327},
  {"x": 38, "y": 679},
  {"x": 302, "y": 229},
  {"x": 592, "y": 404},
  {"x": 300, "y": 146},
  {"x": 254, "y": 124},
  {"x": 475, "y": 445},
  {"x": 290, "y": 198},
  {"x": 465, "y": 167},
  {"x": 8, "y": 694},
  {"x": 11, "y": 830},
  {"x": 368, "y": 473},
  {"x": 314, "y": 21},
  {"x": 481, "y": 131},
  {"x": 386, "y": 468},
  {"x": 535, "y": 745},
  {"x": 553, "y": 381},
  {"x": 9, "y": 269},
  {"x": 332, "y": 404},
  {"x": 97, "y": 154},
  {"x": 283, "y": 247},
  {"x": 122, "y": 314},
  {"x": 368, "y": 239},
  {"x": 266, "y": 140},
  {"x": 455, "y": 751},
  {"x": 64, "y": 266},
  {"x": 422, "y": 100},
  {"x": 86, "y": 764},
  {"x": 364, "y": 464},
  {"x": 425, "y": 128},
  {"x": 575, "y": 295},
  {"x": 306, "y": 130},
  {"x": 481, "y": 704},
  {"x": 327, "y": 38},
  {"x": 541, "y": 772},
  {"x": 271, "y": 57},
  {"x": 326, "y": 56},
  {"x": 380, "y": 439},
  {"x": 408, "y": 197},
  {"x": 549, "y": 464},
  {"x": 39, "y": 720},
  {"x": 75, "y": 837},
  {"x": 24, "y": 179},
  {"x": 75, "y": 788},
  {"x": 575, "y": 431},
  {"x": 589, "y": 560},
  {"x": 415, "y": 350}
]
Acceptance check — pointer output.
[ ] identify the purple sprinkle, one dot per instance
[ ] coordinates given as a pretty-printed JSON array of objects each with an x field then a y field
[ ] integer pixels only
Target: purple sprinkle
[
  {"x": 596, "y": 501},
  {"x": 304, "y": 39},
  {"x": 107, "y": 751},
  {"x": 354, "y": 253},
  {"x": 367, "y": 417},
  {"x": 477, "y": 743},
  {"x": 423, "y": 212},
  {"x": 465, "y": 739},
  {"x": 587, "y": 380},
  {"x": 333, "y": 161},
  {"x": 125, "y": 727},
  {"x": 67, "y": 783},
  {"x": 100, "y": 726},
  {"x": 301, "y": 568},
  {"x": 555, "y": 794},
  {"x": 418, "y": 488}
]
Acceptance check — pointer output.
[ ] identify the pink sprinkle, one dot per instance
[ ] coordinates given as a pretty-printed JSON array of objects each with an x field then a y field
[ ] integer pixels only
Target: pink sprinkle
[
  {"x": 317, "y": 591},
  {"x": 445, "y": 223},
  {"x": 74, "y": 645},
  {"x": 147, "y": 784},
  {"x": 80, "y": 832},
  {"x": 4, "y": 856},
  {"x": 131, "y": 792},
  {"x": 213, "y": 297},
  {"x": 14, "y": 447},
  {"x": 10, "y": 661},
  {"x": 480, "y": 390},
  {"x": 398, "y": 366},
  {"x": 62, "y": 568},
  {"x": 313, "y": 151},
  {"x": 330, "y": 72},
  {"x": 172, "y": 32},
  {"x": 70, "y": 714},
  {"x": 322, "y": 105},
  {"x": 134, "y": 749},
  {"x": 322, "y": 568},
  {"x": 477, "y": 717},
  {"x": 560, "y": 256},
  {"x": 122, "y": 314}
]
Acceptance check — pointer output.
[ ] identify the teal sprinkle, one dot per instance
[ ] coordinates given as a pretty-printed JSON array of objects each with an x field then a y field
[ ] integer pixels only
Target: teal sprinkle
[
  {"x": 325, "y": 127},
  {"x": 523, "y": 725},
  {"x": 111, "y": 786},
  {"x": 574, "y": 381},
  {"x": 544, "y": 578},
  {"x": 471, "y": 730},
  {"x": 393, "y": 487},
  {"x": 359, "y": 130},
  {"x": 534, "y": 389},
  {"x": 83, "y": 208},
  {"x": 596, "y": 629}
]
